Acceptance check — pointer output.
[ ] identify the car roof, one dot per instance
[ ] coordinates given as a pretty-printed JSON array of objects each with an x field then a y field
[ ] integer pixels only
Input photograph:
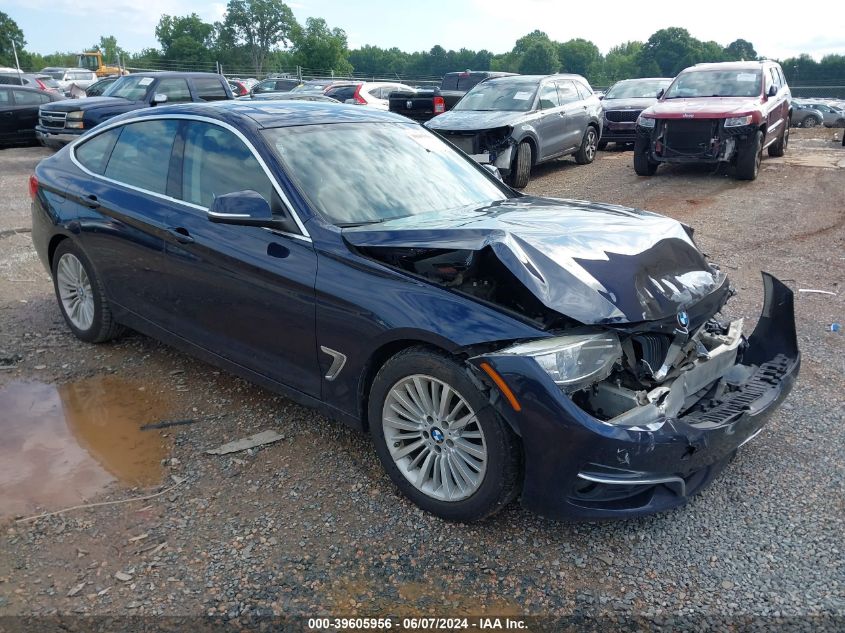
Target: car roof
[
  {"x": 624, "y": 81},
  {"x": 533, "y": 78},
  {"x": 751, "y": 65},
  {"x": 170, "y": 73},
  {"x": 271, "y": 114}
]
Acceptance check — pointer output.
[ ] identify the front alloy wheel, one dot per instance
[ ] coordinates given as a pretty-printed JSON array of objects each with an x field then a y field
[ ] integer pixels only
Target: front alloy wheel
[
  {"x": 438, "y": 437},
  {"x": 434, "y": 438}
]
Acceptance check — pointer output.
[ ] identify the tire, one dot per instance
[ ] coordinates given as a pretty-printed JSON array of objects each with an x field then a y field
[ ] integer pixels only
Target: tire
[
  {"x": 643, "y": 165},
  {"x": 810, "y": 121},
  {"x": 416, "y": 374},
  {"x": 778, "y": 148},
  {"x": 602, "y": 145},
  {"x": 586, "y": 154},
  {"x": 521, "y": 169},
  {"x": 81, "y": 296},
  {"x": 749, "y": 158}
]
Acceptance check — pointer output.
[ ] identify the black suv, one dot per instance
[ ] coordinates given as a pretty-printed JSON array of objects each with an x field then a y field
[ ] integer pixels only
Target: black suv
[{"x": 64, "y": 121}]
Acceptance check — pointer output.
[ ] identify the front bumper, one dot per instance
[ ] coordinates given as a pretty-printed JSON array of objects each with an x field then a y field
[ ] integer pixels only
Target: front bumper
[
  {"x": 48, "y": 135},
  {"x": 721, "y": 145},
  {"x": 624, "y": 132},
  {"x": 579, "y": 467}
]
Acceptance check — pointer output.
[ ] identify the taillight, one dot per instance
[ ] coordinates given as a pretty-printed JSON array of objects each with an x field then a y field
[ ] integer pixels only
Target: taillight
[
  {"x": 439, "y": 105},
  {"x": 357, "y": 96},
  {"x": 33, "y": 186},
  {"x": 41, "y": 85}
]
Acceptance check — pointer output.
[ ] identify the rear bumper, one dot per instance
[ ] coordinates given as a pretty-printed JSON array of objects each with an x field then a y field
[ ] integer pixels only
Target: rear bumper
[{"x": 579, "y": 467}]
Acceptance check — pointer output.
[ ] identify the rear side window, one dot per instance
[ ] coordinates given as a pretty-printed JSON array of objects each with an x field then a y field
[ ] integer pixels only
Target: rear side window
[
  {"x": 26, "y": 98},
  {"x": 94, "y": 154},
  {"x": 209, "y": 89},
  {"x": 568, "y": 92},
  {"x": 5, "y": 97},
  {"x": 141, "y": 156},
  {"x": 217, "y": 162},
  {"x": 341, "y": 94},
  {"x": 175, "y": 88}
]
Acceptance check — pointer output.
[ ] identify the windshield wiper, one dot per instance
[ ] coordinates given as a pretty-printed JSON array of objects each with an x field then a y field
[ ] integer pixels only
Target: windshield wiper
[{"x": 351, "y": 225}]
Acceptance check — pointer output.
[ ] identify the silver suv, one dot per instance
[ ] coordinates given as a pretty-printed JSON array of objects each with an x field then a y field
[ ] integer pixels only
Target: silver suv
[{"x": 517, "y": 122}]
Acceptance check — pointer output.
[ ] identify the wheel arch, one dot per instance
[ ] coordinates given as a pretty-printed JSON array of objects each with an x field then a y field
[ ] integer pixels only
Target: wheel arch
[
  {"x": 52, "y": 246},
  {"x": 377, "y": 360}
]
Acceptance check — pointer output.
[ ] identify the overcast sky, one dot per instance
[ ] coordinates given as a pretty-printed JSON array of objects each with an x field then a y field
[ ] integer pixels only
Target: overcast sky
[{"x": 71, "y": 25}]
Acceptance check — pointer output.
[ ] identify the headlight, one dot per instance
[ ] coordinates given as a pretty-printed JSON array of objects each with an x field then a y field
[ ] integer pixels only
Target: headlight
[
  {"x": 75, "y": 116},
  {"x": 736, "y": 121},
  {"x": 574, "y": 361},
  {"x": 644, "y": 121},
  {"x": 74, "y": 120}
]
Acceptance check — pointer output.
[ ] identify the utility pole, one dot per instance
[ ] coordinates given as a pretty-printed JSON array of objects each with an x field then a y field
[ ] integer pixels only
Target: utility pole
[{"x": 17, "y": 63}]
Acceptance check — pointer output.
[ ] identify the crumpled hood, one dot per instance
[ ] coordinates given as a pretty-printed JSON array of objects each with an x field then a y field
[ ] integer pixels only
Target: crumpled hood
[
  {"x": 707, "y": 107},
  {"x": 470, "y": 120},
  {"x": 594, "y": 263}
]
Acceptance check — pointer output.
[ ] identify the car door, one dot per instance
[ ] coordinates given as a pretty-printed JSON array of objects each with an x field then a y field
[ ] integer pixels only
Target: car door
[
  {"x": 24, "y": 114},
  {"x": 7, "y": 116},
  {"x": 549, "y": 124},
  {"x": 242, "y": 292},
  {"x": 122, "y": 209},
  {"x": 776, "y": 106},
  {"x": 575, "y": 113}
]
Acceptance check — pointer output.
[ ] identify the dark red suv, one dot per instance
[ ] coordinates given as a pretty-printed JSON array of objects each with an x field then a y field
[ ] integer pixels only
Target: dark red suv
[{"x": 711, "y": 113}]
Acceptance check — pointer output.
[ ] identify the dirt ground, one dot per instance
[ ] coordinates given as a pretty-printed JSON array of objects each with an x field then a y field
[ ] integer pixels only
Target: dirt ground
[{"x": 310, "y": 525}]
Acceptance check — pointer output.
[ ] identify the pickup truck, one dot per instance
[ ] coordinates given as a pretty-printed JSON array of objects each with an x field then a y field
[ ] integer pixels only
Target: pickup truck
[
  {"x": 64, "y": 121},
  {"x": 423, "y": 105}
]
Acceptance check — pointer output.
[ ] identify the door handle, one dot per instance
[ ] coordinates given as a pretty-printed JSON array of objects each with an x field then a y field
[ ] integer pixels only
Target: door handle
[
  {"x": 181, "y": 235},
  {"x": 91, "y": 201}
]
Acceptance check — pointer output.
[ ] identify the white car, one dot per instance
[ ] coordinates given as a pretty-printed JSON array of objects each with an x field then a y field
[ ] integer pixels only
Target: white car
[
  {"x": 375, "y": 94},
  {"x": 66, "y": 78}
]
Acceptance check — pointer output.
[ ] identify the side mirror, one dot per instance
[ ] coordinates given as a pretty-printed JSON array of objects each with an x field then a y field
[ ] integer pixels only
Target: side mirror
[
  {"x": 660, "y": 93},
  {"x": 601, "y": 97},
  {"x": 494, "y": 171},
  {"x": 773, "y": 91},
  {"x": 159, "y": 98},
  {"x": 245, "y": 208}
]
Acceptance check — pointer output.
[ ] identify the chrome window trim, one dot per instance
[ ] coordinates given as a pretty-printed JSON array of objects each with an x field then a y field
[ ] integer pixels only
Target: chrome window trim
[{"x": 191, "y": 117}]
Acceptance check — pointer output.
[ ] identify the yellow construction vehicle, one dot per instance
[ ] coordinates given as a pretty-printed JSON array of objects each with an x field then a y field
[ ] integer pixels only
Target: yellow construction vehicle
[{"x": 94, "y": 61}]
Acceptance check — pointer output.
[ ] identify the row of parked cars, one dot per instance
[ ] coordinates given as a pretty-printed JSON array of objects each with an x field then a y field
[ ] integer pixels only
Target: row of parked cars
[{"x": 817, "y": 112}]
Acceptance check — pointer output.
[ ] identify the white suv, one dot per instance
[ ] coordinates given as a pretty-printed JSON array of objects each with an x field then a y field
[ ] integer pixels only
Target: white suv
[
  {"x": 371, "y": 93},
  {"x": 67, "y": 77}
]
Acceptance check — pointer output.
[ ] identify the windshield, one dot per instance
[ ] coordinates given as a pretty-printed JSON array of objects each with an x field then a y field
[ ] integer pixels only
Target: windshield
[
  {"x": 133, "y": 87},
  {"x": 408, "y": 171},
  {"x": 716, "y": 83},
  {"x": 637, "y": 89},
  {"x": 514, "y": 96}
]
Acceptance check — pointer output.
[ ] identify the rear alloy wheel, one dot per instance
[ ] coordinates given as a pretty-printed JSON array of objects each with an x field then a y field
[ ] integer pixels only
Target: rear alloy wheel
[
  {"x": 81, "y": 296},
  {"x": 778, "y": 148},
  {"x": 521, "y": 169},
  {"x": 643, "y": 165},
  {"x": 586, "y": 154},
  {"x": 810, "y": 121},
  {"x": 749, "y": 158},
  {"x": 438, "y": 438}
]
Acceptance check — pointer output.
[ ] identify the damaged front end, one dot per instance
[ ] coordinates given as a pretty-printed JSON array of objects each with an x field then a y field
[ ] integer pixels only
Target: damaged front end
[
  {"x": 663, "y": 411},
  {"x": 494, "y": 146},
  {"x": 698, "y": 140}
]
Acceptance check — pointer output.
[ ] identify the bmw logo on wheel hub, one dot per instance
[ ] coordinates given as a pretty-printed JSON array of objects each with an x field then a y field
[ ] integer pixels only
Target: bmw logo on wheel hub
[
  {"x": 437, "y": 435},
  {"x": 683, "y": 319}
]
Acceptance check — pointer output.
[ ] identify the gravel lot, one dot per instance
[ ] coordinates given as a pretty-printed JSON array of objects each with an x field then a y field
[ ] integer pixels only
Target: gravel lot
[{"x": 310, "y": 525}]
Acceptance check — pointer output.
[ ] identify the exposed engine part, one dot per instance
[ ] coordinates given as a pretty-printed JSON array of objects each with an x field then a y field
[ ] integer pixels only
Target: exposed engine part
[{"x": 704, "y": 366}]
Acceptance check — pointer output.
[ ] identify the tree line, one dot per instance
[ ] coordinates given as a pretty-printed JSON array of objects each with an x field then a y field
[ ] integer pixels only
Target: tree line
[{"x": 261, "y": 36}]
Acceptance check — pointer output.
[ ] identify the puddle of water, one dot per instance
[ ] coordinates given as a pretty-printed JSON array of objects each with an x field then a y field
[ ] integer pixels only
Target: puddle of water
[{"x": 62, "y": 444}]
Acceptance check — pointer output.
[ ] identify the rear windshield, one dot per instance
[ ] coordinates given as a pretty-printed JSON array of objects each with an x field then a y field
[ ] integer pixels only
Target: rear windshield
[
  {"x": 56, "y": 74},
  {"x": 133, "y": 87},
  {"x": 639, "y": 89},
  {"x": 510, "y": 95},
  {"x": 461, "y": 81},
  {"x": 716, "y": 83}
]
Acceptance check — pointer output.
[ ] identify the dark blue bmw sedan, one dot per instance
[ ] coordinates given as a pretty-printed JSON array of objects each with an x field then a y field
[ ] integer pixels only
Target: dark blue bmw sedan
[{"x": 494, "y": 344}]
